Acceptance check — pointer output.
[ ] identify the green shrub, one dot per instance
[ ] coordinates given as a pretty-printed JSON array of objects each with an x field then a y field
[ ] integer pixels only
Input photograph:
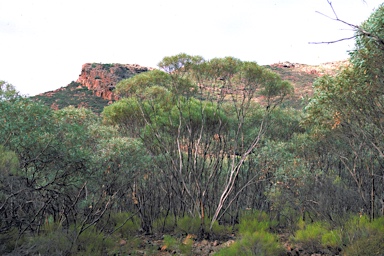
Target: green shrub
[
  {"x": 364, "y": 237},
  {"x": 373, "y": 245},
  {"x": 127, "y": 224},
  {"x": 255, "y": 239},
  {"x": 357, "y": 236},
  {"x": 360, "y": 226},
  {"x": 186, "y": 246},
  {"x": 53, "y": 242},
  {"x": 310, "y": 235},
  {"x": 174, "y": 245},
  {"x": 255, "y": 221},
  {"x": 189, "y": 225},
  {"x": 93, "y": 242},
  {"x": 131, "y": 244},
  {"x": 260, "y": 243},
  {"x": 332, "y": 238},
  {"x": 171, "y": 243},
  {"x": 218, "y": 231},
  {"x": 164, "y": 224}
]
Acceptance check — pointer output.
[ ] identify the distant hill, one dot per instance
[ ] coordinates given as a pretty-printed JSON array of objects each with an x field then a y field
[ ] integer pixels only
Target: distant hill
[
  {"x": 74, "y": 94},
  {"x": 94, "y": 87},
  {"x": 302, "y": 77}
]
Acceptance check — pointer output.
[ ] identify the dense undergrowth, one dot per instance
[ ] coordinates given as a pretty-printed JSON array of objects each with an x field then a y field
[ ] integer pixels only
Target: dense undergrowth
[{"x": 256, "y": 234}]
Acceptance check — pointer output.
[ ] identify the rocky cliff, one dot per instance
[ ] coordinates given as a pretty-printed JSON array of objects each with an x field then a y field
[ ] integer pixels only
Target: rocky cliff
[
  {"x": 94, "y": 87},
  {"x": 102, "y": 78}
]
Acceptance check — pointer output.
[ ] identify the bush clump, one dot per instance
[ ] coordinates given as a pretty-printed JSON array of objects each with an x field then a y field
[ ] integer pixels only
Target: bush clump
[
  {"x": 256, "y": 238},
  {"x": 309, "y": 236},
  {"x": 364, "y": 237}
]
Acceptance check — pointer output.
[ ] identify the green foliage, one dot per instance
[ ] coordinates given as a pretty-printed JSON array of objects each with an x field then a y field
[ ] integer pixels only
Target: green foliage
[
  {"x": 373, "y": 245},
  {"x": 123, "y": 112},
  {"x": 284, "y": 124},
  {"x": 179, "y": 62},
  {"x": 164, "y": 224},
  {"x": 7, "y": 91},
  {"x": 256, "y": 243},
  {"x": 318, "y": 235},
  {"x": 59, "y": 242},
  {"x": 9, "y": 163},
  {"x": 251, "y": 221},
  {"x": 126, "y": 224},
  {"x": 255, "y": 236},
  {"x": 139, "y": 83},
  {"x": 363, "y": 236},
  {"x": 52, "y": 243},
  {"x": 220, "y": 231},
  {"x": 345, "y": 116},
  {"x": 332, "y": 238},
  {"x": 188, "y": 225},
  {"x": 273, "y": 86},
  {"x": 170, "y": 242},
  {"x": 186, "y": 246},
  {"x": 194, "y": 114},
  {"x": 309, "y": 236},
  {"x": 356, "y": 236},
  {"x": 92, "y": 242},
  {"x": 369, "y": 45}
]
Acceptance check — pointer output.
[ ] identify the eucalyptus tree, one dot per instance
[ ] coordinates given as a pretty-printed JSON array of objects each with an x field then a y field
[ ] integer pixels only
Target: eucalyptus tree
[
  {"x": 7, "y": 91},
  {"x": 201, "y": 122},
  {"x": 348, "y": 108}
]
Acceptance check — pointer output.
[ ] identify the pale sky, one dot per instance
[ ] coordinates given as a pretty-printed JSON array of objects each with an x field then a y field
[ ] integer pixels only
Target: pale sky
[{"x": 44, "y": 43}]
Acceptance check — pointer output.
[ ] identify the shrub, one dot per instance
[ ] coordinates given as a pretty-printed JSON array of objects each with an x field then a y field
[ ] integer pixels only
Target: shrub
[
  {"x": 219, "y": 231},
  {"x": 364, "y": 237},
  {"x": 255, "y": 239},
  {"x": 164, "y": 224},
  {"x": 127, "y": 224},
  {"x": 186, "y": 245},
  {"x": 332, "y": 238},
  {"x": 93, "y": 242},
  {"x": 53, "y": 242},
  {"x": 255, "y": 221},
  {"x": 189, "y": 225},
  {"x": 258, "y": 243},
  {"x": 310, "y": 235},
  {"x": 171, "y": 243}
]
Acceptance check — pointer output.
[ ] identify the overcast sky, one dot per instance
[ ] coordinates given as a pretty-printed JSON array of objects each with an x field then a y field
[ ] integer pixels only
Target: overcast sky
[{"x": 43, "y": 43}]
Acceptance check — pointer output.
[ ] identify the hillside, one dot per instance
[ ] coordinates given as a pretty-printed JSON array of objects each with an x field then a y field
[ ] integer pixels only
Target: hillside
[
  {"x": 302, "y": 77},
  {"x": 94, "y": 87}
]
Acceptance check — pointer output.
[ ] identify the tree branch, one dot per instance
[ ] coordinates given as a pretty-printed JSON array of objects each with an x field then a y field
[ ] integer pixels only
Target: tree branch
[
  {"x": 334, "y": 41},
  {"x": 355, "y": 27}
]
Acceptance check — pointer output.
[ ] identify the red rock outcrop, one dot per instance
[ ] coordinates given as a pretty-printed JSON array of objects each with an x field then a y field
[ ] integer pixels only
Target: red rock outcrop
[{"x": 102, "y": 78}]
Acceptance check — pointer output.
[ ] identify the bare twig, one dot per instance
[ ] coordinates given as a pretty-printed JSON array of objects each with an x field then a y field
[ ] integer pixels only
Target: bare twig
[
  {"x": 335, "y": 41},
  {"x": 355, "y": 28}
]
